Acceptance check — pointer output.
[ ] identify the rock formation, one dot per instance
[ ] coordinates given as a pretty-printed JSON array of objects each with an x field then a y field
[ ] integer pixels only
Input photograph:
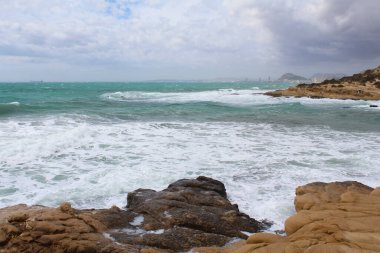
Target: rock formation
[
  {"x": 365, "y": 86},
  {"x": 331, "y": 217},
  {"x": 195, "y": 214},
  {"x": 189, "y": 213}
]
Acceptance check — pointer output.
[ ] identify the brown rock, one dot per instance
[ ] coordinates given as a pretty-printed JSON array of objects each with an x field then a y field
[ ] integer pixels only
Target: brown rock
[
  {"x": 189, "y": 213},
  {"x": 331, "y": 217},
  {"x": 359, "y": 86},
  {"x": 197, "y": 204},
  {"x": 3, "y": 237}
]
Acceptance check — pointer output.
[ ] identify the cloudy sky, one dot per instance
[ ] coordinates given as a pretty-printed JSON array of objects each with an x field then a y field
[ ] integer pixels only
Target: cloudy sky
[{"x": 121, "y": 40}]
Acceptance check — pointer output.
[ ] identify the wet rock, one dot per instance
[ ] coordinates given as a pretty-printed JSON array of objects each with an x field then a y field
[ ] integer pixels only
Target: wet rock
[
  {"x": 189, "y": 213},
  {"x": 175, "y": 239},
  {"x": 197, "y": 204}
]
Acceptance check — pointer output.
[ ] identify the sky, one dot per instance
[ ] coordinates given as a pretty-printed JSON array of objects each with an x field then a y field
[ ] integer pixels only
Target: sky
[{"x": 126, "y": 40}]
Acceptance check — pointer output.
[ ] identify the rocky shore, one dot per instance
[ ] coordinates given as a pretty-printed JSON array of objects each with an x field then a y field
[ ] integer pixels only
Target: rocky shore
[
  {"x": 364, "y": 86},
  {"x": 331, "y": 217},
  {"x": 195, "y": 214},
  {"x": 189, "y": 213}
]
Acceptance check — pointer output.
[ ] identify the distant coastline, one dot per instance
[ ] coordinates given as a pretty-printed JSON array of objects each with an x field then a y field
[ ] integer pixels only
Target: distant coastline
[{"x": 361, "y": 86}]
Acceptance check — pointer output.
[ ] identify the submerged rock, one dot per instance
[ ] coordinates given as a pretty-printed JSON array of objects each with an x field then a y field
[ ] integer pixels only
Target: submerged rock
[
  {"x": 331, "y": 217},
  {"x": 189, "y": 213}
]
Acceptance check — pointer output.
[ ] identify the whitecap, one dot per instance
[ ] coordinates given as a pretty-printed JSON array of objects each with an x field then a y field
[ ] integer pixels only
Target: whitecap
[
  {"x": 226, "y": 96},
  {"x": 137, "y": 221},
  {"x": 260, "y": 164},
  {"x": 14, "y": 103}
]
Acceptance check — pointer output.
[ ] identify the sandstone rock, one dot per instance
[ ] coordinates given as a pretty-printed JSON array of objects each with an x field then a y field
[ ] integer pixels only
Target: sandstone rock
[
  {"x": 189, "y": 213},
  {"x": 331, "y": 217}
]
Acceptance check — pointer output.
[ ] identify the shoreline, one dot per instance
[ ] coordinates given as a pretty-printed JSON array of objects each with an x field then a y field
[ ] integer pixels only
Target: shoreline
[
  {"x": 188, "y": 213},
  {"x": 195, "y": 214},
  {"x": 362, "y": 86}
]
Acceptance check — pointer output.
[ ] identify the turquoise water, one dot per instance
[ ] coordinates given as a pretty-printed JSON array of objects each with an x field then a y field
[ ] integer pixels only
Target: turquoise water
[
  {"x": 92, "y": 143},
  {"x": 181, "y": 101}
]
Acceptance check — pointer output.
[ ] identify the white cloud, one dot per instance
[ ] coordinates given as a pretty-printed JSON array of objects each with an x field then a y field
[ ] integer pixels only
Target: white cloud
[{"x": 229, "y": 37}]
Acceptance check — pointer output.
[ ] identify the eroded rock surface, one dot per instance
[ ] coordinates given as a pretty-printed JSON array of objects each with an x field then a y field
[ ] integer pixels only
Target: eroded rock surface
[
  {"x": 189, "y": 213},
  {"x": 331, "y": 217}
]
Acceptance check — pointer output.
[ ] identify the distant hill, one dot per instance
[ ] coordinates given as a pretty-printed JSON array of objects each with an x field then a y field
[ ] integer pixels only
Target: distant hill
[
  {"x": 292, "y": 78},
  {"x": 364, "y": 85}
]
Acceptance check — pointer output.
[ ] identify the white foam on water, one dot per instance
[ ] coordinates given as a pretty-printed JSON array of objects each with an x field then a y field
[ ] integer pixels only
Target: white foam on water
[
  {"x": 140, "y": 231},
  {"x": 156, "y": 232},
  {"x": 108, "y": 236},
  {"x": 137, "y": 221},
  {"x": 15, "y": 103},
  {"x": 247, "y": 233},
  {"x": 229, "y": 96},
  {"x": 52, "y": 159},
  {"x": 226, "y": 96}
]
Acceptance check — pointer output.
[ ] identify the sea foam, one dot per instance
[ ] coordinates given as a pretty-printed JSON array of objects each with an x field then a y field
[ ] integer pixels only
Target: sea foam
[
  {"x": 50, "y": 159},
  {"x": 250, "y": 97}
]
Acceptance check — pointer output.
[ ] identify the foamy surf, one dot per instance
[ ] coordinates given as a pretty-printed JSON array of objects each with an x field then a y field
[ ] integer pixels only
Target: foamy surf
[
  {"x": 51, "y": 159},
  {"x": 234, "y": 97},
  {"x": 92, "y": 143},
  {"x": 227, "y": 96}
]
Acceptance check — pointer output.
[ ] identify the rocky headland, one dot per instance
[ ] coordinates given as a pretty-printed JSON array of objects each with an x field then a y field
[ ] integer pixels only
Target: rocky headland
[
  {"x": 195, "y": 214},
  {"x": 365, "y": 85},
  {"x": 189, "y": 213}
]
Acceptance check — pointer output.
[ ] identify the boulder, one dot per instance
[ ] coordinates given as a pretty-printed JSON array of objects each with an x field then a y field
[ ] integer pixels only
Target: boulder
[
  {"x": 189, "y": 213},
  {"x": 331, "y": 217}
]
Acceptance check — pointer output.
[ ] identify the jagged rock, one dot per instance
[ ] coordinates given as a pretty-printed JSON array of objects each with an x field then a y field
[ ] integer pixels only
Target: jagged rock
[
  {"x": 181, "y": 205},
  {"x": 189, "y": 213},
  {"x": 331, "y": 217}
]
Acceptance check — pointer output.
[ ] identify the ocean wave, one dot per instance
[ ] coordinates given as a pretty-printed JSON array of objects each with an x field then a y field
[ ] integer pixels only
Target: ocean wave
[
  {"x": 226, "y": 96},
  {"x": 46, "y": 160},
  {"x": 233, "y": 97},
  {"x": 9, "y": 107}
]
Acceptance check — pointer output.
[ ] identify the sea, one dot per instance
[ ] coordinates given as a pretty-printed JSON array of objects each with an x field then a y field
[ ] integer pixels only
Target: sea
[{"x": 92, "y": 143}]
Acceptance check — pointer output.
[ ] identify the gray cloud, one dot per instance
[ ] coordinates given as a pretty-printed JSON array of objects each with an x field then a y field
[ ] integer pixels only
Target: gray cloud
[
  {"x": 132, "y": 39},
  {"x": 336, "y": 30}
]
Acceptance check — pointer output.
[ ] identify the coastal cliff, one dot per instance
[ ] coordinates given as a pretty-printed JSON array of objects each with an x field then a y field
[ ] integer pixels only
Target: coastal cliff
[
  {"x": 331, "y": 217},
  {"x": 365, "y": 85}
]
